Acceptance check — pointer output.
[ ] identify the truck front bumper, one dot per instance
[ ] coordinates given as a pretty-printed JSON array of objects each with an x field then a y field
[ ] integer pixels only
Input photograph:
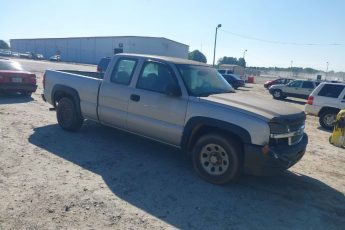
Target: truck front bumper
[{"x": 278, "y": 159}]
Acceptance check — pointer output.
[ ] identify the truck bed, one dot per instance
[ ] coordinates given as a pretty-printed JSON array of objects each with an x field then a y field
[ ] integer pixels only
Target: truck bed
[
  {"x": 86, "y": 84},
  {"x": 84, "y": 73}
]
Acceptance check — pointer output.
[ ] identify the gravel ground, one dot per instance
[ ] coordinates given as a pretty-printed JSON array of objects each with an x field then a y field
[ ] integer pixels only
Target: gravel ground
[{"x": 101, "y": 178}]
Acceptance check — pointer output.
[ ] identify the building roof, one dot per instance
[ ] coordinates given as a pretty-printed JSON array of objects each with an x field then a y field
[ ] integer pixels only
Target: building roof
[
  {"x": 20, "y": 39},
  {"x": 165, "y": 58}
]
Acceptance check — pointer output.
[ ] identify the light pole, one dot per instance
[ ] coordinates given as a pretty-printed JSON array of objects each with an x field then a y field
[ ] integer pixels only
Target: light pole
[
  {"x": 244, "y": 53},
  {"x": 327, "y": 63},
  {"x": 215, "y": 43}
]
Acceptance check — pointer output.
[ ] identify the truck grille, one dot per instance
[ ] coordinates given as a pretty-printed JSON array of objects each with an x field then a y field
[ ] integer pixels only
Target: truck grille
[{"x": 287, "y": 134}]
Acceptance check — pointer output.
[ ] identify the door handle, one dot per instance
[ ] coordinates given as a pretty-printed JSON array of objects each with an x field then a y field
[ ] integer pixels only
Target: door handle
[{"x": 135, "y": 97}]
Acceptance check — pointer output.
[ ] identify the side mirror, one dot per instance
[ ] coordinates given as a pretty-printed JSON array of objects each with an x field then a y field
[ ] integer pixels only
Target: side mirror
[{"x": 173, "y": 90}]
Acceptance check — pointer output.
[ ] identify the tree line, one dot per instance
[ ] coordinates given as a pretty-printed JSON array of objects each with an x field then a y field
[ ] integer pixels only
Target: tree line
[{"x": 196, "y": 55}]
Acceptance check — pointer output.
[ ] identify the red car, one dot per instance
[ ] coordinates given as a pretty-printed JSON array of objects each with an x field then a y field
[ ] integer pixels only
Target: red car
[
  {"x": 14, "y": 79},
  {"x": 279, "y": 81}
]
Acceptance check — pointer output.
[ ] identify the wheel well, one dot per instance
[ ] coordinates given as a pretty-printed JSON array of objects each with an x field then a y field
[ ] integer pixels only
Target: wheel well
[
  {"x": 58, "y": 95},
  {"x": 325, "y": 109},
  {"x": 202, "y": 129}
]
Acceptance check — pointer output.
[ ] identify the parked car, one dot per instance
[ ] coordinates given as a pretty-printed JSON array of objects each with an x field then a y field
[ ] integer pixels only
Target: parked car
[
  {"x": 185, "y": 104},
  {"x": 38, "y": 56},
  {"x": 15, "y": 54},
  {"x": 103, "y": 64},
  {"x": 55, "y": 58},
  {"x": 297, "y": 88},
  {"x": 234, "y": 80},
  {"x": 233, "y": 69},
  {"x": 5, "y": 53},
  {"x": 279, "y": 81},
  {"x": 325, "y": 102},
  {"x": 27, "y": 55},
  {"x": 14, "y": 79}
]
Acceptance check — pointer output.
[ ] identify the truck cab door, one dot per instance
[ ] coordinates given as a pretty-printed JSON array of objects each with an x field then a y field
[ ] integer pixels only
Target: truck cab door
[
  {"x": 115, "y": 93},
  {"x": 157, "y": 109}
]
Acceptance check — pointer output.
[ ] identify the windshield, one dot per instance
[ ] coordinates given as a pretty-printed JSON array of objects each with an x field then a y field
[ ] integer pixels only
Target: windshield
[
  {"x": 8, "y": 65},
  {"x": 202, "y": 81}
]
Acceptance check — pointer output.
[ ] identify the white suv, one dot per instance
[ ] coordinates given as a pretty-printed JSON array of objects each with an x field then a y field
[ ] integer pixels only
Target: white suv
[{"x": 325, "y": 102}]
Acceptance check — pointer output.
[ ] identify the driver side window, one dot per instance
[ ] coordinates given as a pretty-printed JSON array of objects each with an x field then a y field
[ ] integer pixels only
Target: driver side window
[{"x": 156, "y": 77}]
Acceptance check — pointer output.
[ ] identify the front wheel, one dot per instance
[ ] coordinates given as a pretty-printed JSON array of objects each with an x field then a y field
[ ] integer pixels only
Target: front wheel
[
  {"x": 216, "y": 159},
  {"x": 67, "y": 115}
]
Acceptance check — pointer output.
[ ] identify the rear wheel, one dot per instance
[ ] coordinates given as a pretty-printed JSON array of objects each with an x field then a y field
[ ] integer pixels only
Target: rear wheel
[
  {"x": 216, "y": 159},
  {"x": 328, "y": 118},
  {"x": 67, "y": 115}
]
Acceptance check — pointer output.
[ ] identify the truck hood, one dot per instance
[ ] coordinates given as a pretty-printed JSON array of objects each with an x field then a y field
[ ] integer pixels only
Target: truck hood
[{"x": 268, "y": 109}]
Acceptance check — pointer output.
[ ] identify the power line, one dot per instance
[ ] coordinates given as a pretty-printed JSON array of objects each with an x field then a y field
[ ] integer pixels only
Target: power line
[{"x": 280, "y": 42}]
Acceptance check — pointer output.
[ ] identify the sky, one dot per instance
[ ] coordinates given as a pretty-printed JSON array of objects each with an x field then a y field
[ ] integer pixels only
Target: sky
[{"x": 308, "y": 33}]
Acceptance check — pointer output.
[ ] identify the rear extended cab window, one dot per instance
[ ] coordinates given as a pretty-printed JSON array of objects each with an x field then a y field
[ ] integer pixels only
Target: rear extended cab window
[
  {"x": 156, "y": 77},
  {"x": 329, "y": 90},
  {"x": 123, "y": 71}
]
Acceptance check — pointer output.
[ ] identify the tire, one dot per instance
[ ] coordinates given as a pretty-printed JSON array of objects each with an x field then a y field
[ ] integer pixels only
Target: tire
[
  {"x": 67, "y": 115},
  {"x": 326, "y": 119},
  {"x": 277, "y": 94},
  {"x": 216, "y": 159}
]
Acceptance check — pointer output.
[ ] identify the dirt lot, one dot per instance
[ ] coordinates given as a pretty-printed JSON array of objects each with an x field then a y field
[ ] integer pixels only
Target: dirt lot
[{"x": 101, "y": 178}]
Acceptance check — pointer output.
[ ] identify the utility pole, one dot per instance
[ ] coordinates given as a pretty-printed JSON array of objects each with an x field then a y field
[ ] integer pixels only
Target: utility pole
[
  {"x": 215, "y": 43},
  {"x": 327, "y": 63}
]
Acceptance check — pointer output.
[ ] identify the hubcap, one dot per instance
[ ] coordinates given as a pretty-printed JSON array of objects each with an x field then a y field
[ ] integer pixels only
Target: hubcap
[
  {"x": 214, "y": 159},
  {"x": 277, "y": 93},
  {"x": 329, "y": 119}
]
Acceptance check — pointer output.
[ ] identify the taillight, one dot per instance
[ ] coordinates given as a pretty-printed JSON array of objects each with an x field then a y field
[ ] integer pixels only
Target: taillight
[
  {"x": 44, "y": 81},
  {"x": 310, "y": 100},
  {"x": 33, "y": 79}
]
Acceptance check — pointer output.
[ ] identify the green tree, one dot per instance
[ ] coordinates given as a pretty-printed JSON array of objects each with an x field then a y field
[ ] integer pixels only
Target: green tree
[
  {"x": 228, "y": 60},
  {"x": 232, "y": 61},
  {"x": 3, "y": 45},
  {"x": 196, "y": 55}
]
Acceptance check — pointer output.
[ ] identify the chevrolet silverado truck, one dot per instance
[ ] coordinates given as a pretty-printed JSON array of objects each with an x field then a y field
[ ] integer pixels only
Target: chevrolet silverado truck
[{"x": 185, "y": 104}]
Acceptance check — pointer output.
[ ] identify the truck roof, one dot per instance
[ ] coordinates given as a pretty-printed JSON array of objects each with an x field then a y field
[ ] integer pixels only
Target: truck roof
[{"x": 164, "y": 58}]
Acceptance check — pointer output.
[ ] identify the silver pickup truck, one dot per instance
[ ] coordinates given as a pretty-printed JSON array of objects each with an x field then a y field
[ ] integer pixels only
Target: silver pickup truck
[{"x": 188, "y": 105}]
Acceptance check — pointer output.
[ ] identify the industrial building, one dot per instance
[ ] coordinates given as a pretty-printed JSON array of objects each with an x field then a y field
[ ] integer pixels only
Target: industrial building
[{"x": 91, "y": 49}]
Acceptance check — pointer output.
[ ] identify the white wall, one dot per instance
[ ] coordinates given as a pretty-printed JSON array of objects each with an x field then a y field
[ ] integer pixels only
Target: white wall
[{"x": 90, "y": 50}]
